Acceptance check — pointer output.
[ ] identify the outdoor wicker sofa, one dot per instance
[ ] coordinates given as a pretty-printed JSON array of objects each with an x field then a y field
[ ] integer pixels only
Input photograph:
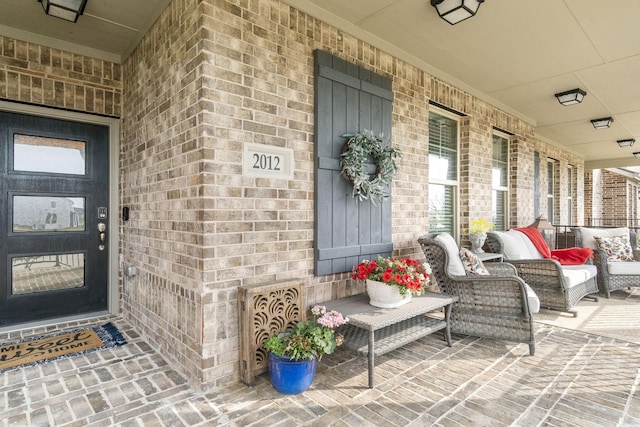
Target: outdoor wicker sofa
[
  {"x": 559, "y": 287},
  {"x": 494, "y": 306},
  {"x": 611, "y": 275}
]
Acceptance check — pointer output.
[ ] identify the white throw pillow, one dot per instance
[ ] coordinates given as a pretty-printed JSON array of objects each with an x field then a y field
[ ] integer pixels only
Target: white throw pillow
[
  {"x": 510, "y": 245},
  {"x": 589, "y": 235},
  {"x": 531, "y": 248},
  {"x": 455, "y": 267},
  {"x": 516, "y": 246},
  {"x": 513, "y": 246}
]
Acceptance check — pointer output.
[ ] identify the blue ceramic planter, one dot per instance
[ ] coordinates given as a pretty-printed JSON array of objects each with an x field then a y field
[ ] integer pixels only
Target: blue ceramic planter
[{"x": 289, "y": 376}]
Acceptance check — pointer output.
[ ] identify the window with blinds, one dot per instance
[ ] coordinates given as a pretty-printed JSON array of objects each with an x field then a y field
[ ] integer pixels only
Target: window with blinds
[
  {"x": 550, "y": 187},
  {"x": 443, "y": 172},
  {"x": 570, "y": 194},
  {"x": 500, "y": 181}
]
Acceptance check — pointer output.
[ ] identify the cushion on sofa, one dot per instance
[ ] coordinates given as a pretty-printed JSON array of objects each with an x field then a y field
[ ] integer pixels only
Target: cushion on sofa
[
  {"x": 531, "y": 248},
  {"x": 455, "y": 267},
  {"x": 511, "y": 245},
  {"x": 472, "y": 264},
  {"x": 588, "y": 270},
  {"x": 532, "y": 299},
  {"x": 589, "y": 235},
  {"x": 574, "y": 277},
  {"x": 629, "y": 267},
  {"x": 517, "y": 246},
  {"x": 617, "y": 248}
]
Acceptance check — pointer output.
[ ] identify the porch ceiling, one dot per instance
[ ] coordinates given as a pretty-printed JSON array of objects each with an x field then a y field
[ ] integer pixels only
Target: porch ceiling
[{"x": 514, "y": 54}]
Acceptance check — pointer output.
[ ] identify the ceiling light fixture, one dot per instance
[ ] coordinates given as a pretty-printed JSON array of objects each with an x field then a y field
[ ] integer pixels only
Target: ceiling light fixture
[
  {"x": 626, "y": 142},
  {"x": 570, "y": 97},
  {"x": 636, "y": 154},
  {"x": 69, "y": 10},
  {"x": 602, "y": 123},
  {"x": 454, "y": 11}
]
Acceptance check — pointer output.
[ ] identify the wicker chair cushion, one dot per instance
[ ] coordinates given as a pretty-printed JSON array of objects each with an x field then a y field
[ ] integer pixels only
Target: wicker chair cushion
[
  {"x": 472, "y": 264},
  {"x": 455, "y": 267},
  {"x": 617, "y": 248},
  {"x": 587, "y": 271},
  {"x": 532, "y": 299},
  {"x": 517, "y": 246},
  {"x": 589, "y": 235},
  {"x": 630, "y": 268},
  {"x": 573, "y": 277}
]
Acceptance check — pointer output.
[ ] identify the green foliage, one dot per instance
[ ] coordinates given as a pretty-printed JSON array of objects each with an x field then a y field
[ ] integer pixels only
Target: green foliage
[
  {"x": 310, "y": 339},
  {"x": 358, "y": 149}
]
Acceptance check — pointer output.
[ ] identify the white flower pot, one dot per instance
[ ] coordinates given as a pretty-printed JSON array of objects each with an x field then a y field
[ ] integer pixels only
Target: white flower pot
[{"x": 385, "y": 296}]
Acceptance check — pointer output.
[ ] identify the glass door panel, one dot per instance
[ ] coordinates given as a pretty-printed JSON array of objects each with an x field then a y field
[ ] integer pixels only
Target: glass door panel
[
  {"x": 32, "y": 214},
  {"x": 46, "y": 273},
  {"x": 51, "y": 155}
]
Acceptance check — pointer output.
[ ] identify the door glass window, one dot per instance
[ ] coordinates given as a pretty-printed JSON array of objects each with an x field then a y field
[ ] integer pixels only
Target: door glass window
[
  {"x": 45, "y": 273},
  {"x": 50, "y": 155},
  {"x": 33, "y": 214}
]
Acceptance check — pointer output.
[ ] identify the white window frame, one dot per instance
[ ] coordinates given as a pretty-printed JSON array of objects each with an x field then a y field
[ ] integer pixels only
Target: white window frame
[
  {"x": 551, "y": 189},
  {"x": 447, "y": 182},
  {"x": 495, "y": 189},
  {"x": 570, "y": 190}
]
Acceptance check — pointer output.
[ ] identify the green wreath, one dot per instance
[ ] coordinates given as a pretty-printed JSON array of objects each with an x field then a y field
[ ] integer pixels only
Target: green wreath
[{"x": 354, "y": 155}]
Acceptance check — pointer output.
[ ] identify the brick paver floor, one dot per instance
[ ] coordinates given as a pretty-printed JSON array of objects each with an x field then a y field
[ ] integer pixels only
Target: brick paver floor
[{"x": 575, "y": 379}]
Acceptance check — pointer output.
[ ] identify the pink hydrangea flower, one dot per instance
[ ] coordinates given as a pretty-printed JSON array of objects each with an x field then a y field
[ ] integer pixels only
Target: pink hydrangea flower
[{"x": 332, "y": 319}]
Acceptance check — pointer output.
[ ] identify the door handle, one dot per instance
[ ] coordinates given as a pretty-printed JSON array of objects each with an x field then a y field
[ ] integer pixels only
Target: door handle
[{"x": 103, "y": 236}]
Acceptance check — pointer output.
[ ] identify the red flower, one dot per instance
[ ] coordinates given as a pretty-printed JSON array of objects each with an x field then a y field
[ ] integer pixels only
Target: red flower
[
  {"x": 386, "y": 276},
  {"x": 408, "y": 274}
]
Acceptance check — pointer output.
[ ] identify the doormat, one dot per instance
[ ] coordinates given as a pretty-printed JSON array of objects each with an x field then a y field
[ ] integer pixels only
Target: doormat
[{"x": 37, "y": 350}]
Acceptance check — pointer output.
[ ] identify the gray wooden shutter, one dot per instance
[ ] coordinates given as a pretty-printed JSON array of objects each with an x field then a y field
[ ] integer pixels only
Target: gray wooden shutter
[{"x": 348, "y": 100}]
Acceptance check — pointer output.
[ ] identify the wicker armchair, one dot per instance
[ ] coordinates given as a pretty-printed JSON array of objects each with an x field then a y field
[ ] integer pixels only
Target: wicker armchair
[
  {"x": 558, "y": 287},
  {"x": 611, "y": 275},
  {"x": 494, "y": 306}
]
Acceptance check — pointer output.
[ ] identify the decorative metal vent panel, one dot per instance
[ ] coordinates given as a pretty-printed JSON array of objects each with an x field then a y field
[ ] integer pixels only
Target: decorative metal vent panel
[{"x": 263, "y": 311}]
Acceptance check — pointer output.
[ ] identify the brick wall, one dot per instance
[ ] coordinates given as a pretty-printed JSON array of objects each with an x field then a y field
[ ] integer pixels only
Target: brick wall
[
  {"x": 561, "y": 161},
  {"x": 212, "y": 76},
  {"x": 165, "y": 166},
  {"x": 610, "y": 199},
  {"x": 209, "y": 77},
  {"x": 593, "y": 194},
  {"x": 633, "y": 198},
  {"x": 39, "y": 75},
  {"x": 615, "y": 202}
]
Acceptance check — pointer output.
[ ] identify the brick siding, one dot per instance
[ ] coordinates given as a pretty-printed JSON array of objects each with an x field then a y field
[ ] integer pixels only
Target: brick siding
[
  {"x": 209, "y": 77},
  {"x": 40, "y": 75}
]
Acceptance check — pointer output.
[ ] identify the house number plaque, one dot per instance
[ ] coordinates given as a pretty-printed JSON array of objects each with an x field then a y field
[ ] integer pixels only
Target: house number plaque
[{"x": 266, "y": 161}]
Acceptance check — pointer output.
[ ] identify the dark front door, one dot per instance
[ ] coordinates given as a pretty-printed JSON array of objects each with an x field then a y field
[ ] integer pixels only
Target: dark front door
[{"x": 53, "y": 218}]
